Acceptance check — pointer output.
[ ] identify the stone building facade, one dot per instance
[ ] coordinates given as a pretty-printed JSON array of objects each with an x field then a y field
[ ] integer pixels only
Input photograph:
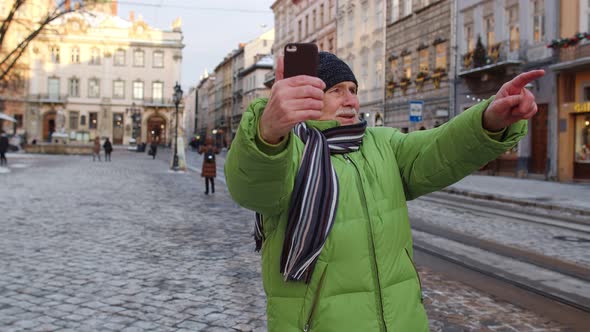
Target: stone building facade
[
  {"x": 497, "y": 40},
  {"x": 361, "y": 44},
  {"x": 303, "y": 21},
  {"x": 418, "y": 63}
]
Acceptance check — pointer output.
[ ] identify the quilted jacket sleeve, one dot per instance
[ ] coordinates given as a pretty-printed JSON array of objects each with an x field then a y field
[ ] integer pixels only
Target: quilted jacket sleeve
[
  {"x": 259, "y": 176},
  {"x": 430, "y": 160}
]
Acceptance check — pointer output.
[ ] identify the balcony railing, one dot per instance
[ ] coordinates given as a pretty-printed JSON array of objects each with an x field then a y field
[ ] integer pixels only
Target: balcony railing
[
  {"x": 496, "y": 56},
  {"x": 47, "y": 98},
  {"x": 156, "y": 102},
  {"x": 574, "y": 52}
]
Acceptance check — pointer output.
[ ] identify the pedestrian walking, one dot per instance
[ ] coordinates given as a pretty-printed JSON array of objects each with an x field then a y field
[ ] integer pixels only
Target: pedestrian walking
[
  {"x": 330, "y": 195},
  {"x": 153, "y": 149},
  {"x": 108, "y": 148},
  {"x": 96, "y": 149},
  {"x": 209, "y": 169},
  {"x": 3, "y": 148}
]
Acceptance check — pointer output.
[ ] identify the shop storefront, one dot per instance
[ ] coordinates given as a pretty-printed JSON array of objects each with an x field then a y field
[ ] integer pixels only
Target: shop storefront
[
  {"x": 573, "y": 88},
  {"x": 581, "y": 141}
]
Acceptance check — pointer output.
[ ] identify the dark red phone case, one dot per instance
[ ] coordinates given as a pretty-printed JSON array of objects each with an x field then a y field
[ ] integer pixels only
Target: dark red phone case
[{"x": 301, "y": 59}]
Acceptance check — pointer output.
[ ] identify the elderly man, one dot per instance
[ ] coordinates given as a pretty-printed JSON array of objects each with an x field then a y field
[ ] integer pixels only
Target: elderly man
[{"x": 330, "y": 195}]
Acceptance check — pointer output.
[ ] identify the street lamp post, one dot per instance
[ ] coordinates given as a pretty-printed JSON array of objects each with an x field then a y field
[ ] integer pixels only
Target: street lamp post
[{"x": 177, "y": 96}]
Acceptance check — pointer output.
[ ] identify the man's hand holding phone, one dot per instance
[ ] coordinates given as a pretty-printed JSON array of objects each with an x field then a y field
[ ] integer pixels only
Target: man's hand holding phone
[{"x": 292, "y": 100}]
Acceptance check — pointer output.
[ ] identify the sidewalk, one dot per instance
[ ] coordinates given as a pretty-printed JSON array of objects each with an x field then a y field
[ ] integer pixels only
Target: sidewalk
[{"x": 551, "y": 195}]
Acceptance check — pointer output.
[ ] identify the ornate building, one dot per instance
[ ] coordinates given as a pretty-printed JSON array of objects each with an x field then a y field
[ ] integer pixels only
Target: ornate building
[{"x": 96, "y": 74}]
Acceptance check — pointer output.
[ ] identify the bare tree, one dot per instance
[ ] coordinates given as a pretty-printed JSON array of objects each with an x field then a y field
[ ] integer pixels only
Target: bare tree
[{"x": 9, "y": 58}]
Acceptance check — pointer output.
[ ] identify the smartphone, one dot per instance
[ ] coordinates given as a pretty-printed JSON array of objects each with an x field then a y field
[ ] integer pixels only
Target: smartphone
[{"x": 301, "y": 59}]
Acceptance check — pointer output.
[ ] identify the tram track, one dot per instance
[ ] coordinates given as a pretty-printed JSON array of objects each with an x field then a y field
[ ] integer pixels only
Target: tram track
[{"x": 563, "y": 287}]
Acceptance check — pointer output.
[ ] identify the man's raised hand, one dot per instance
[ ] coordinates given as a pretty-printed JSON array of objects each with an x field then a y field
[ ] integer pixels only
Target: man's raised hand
[
  {"x": 292, "y": 100},
  {"x": 513, "y": 102}
]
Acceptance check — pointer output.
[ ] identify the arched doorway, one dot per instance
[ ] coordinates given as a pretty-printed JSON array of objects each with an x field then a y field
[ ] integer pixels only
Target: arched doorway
[
  {"x": 49, "y": 125},
  {"x": 156, "y": 126}
]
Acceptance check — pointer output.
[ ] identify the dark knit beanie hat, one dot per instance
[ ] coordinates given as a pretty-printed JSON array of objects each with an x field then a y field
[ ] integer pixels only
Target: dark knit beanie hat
[{"x": 332, "y": 70}]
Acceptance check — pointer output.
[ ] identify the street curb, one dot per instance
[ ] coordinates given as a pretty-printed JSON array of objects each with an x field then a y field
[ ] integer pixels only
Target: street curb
[{"x": 522, "y": 202}]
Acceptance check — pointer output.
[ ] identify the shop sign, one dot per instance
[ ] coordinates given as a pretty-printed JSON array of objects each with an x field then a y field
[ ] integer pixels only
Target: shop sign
[
  {"x": 581, "y": 107},
  {"x": 416, "y": 107}
]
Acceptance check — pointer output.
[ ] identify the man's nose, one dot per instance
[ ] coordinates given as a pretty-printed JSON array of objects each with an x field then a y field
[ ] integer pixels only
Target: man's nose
[{"x": 350, "y": 99}]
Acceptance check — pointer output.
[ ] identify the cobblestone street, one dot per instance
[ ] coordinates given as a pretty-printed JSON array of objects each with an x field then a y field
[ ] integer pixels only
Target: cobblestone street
[{"x": 131, "y": 246}]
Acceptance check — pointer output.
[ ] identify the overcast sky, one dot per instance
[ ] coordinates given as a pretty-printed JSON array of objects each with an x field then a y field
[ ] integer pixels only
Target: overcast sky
[{"x": 211, "y": 28}]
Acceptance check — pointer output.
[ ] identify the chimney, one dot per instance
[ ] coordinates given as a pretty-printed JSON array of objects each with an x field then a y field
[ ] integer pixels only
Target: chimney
[
  {"x": 67, "y": 5},
  {"x": 132, "y": 16},
  {"x": 114, "y": 7}
]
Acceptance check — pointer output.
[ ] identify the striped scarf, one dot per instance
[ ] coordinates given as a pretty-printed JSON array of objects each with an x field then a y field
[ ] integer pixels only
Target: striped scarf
[{"x": 315, "y": 197}]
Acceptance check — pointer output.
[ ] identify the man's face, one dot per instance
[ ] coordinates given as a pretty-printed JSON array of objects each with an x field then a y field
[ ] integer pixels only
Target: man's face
[{"x": 341, "y": 103}]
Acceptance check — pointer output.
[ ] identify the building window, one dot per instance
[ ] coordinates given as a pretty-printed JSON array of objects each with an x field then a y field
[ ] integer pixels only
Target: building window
[
  {"x": 158, "y": 58},
  {"x": 299, "y": 25},
  {"x": 394, "y": 67},
  {"x": 424, "y": 60},
  {"x": 395, "y": 12},
  {"x": 158, "y": 91},
  {"x": 74, "y": 87},
  {"x": 119, "y": 59},
  {"x": 538, "y": 20},
  {"x": 407, "y": 63},
  {"x": 138, "y": 90},
  {"x": 441, "y": 55},
  {"x": 82, "y": 120},
  {"x": 119, "y": 89},
  {"x": 407, "y": 7},
  {"x": 321, "y": 15},
  {"x": 313, "y": 20},
  {"x": 93, "y": 122},
  {"x": 93, "y": 88},
  {"x": 54, "y": 54},
  {"x": 331, "y": 45},
  {"x": 74, "y": 115},
  {"x": 95, "y": 56},
  {"x": 53, "y": 87},
  {"x": 469, "y": 39},
  {"x": 513, "y": 28},
  {"x": 138, "y": 58},
  {"x": 490, "y": 33},
  {"x": 75, "y": 55}
]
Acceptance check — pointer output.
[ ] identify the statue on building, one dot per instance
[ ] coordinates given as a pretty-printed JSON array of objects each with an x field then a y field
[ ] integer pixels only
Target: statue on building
[
  {"x": 60, "y": 122},
  {"x": 177, "y": 24}
]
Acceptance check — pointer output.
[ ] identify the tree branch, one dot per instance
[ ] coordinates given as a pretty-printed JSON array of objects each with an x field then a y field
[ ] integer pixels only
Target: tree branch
[
  {"x": 10, "y": 60},
  {"x": 6, "y": 23}
]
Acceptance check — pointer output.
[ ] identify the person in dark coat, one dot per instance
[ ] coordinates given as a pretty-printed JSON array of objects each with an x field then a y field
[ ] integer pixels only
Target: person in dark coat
[
  {"x": 209, "y": 170},
  {"x": 3, "y": 148},
  {"x": 153, "y": 149},
  {"x": 108, "y": 148},
  {"x": 96, "y": 149}
]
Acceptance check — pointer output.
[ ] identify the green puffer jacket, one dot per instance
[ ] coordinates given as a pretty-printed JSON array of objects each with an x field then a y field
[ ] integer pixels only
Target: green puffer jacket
[{"x": 364, "y": 279}]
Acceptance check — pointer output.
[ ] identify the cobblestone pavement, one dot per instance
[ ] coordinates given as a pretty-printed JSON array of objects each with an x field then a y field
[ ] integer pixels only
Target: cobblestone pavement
[
  {"x": 131, "y": 246},
  {"x": 513, "y": 232}
]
